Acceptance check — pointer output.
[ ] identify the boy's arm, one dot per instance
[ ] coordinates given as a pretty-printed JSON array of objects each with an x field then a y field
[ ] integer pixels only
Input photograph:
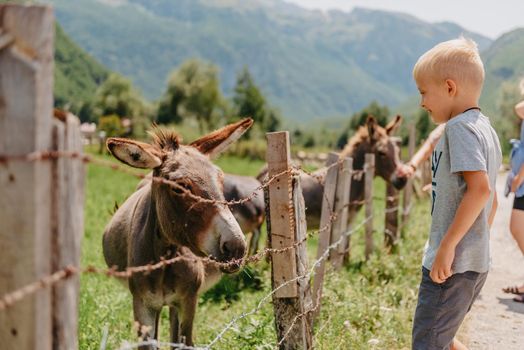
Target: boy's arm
[
  {"x": 518, "y": 179},
  {"x": 423, "y": 153},
  {"x": 474, "y": 200},
  {"x": 519, "y": 109},
  {"x": 494, "y": 207}
]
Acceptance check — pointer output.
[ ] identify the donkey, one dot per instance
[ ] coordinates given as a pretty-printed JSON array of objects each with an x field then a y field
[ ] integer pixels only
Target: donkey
[
  {"x": 159, "y": 222},
  {"x": 250, "y": 214},
  {"x": 370, "y": 138}
]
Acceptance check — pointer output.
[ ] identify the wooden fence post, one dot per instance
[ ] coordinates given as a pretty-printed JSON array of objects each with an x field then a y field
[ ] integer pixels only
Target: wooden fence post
[
  {"x": 67, "y": 223},
  {"x": 392, "y": 209},
  {"x": 369, "y": 169},
  {"x": 341, "y": 208},
  {"x": 286, "y": 225},
  {"x": 328, "y": 205},
  {"x": 391, "y": 224},
  {"x": 26, "y": 109},
  {"x": 408, "y": 190}
]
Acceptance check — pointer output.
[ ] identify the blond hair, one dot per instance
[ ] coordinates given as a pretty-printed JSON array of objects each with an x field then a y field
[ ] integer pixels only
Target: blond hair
[
  {"x": 521, "y": 86},
  {"x": 456, "y": 59}
]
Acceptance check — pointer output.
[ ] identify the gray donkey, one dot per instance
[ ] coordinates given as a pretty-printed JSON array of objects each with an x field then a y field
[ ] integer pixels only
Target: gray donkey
[
  {"x": 159, "y": 222},
  {"x": 250, "y": 214}
]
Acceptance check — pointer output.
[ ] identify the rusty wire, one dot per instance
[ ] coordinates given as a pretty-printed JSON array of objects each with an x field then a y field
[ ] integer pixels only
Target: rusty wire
[{"x": 12, "y": 297}]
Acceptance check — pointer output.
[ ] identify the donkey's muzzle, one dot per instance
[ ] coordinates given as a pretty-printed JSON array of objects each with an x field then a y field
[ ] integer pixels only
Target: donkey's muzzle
[
  {"x": 398, "y": 182},
  {"x": 232, "y": 253}
]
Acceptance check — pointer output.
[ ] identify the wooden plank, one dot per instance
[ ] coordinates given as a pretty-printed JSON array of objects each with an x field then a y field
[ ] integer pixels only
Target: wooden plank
[
  {"x": 281, "y": 214},
  {"x": 391, "y": 217},
  {"x": 26, "y": 104},
  {"x": 369, "y": 169},
  {"x": 328, "y": 202},
  {"x": 70, "y": 185},
  {"x": 341, "y": 207},
  {"x": 306, "y": 325},
  {"x": 408, "y": 190},
  {"x": 291, "y": 333}
]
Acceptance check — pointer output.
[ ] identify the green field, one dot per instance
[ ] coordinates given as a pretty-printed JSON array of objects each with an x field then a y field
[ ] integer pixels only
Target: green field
[{"x": 366, "y": 305}]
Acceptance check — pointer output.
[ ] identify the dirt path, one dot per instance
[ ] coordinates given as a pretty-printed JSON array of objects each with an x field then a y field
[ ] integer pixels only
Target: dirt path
[{"x": 496, "y": 321}]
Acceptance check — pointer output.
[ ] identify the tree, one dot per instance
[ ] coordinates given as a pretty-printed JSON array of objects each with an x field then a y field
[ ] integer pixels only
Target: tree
[
  {"x": 508, "y": 124},
  {"x": 380, "y": 113},
  {"x": 193, "y": 91},
  {"x": 423, "y": 125},
  {"x": 273, "y": 120},
  {"x": 117, "y": 96},
  {"x": 248, "y": 100}
]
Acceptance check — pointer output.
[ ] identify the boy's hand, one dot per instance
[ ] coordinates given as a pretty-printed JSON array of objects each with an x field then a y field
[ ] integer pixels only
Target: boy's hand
[
  {"x": 441, "y": 269},
  {"x": 515, "y": 184},
  {"x": 406, "y": 170}
]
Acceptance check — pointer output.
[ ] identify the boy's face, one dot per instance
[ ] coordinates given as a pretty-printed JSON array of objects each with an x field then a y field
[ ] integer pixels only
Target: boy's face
[{"x": 436, "y": 99}]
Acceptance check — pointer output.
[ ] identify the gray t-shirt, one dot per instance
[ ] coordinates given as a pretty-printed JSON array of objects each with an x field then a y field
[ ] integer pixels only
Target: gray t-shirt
[{"x": 469, "y": 143}]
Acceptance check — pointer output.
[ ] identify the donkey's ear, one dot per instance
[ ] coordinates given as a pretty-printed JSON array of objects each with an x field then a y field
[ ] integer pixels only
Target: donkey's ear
[
  {"x": 217, "y": 141},
  {"x": 371, "y": 123},
  {"x": 134, "y": 153},
  {"x": 393, "y": 125}
]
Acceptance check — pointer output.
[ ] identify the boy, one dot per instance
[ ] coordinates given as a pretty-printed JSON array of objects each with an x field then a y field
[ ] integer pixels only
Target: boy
[{"x": 465, "y": 162}]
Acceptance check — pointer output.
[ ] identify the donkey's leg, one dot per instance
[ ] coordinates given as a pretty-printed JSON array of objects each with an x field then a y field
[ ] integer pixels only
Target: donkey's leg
[
  {"x": 188, "y": 309},
  {"x": 174, "y": 329},
  {"x": 253, "y": 244},
  {"x": 352, "y": 213},
  {"x": 147, "y": 319}
]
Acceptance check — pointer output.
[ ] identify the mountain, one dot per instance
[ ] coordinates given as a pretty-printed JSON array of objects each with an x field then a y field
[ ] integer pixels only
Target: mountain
[
  {"x": 503, "y": 62},
  {"x": 77, "y": 75},
  {"x": 311, "y": 64}
]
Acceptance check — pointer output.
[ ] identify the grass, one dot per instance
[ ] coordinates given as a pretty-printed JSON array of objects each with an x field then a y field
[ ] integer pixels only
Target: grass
[{"x": 365, "y": 305}]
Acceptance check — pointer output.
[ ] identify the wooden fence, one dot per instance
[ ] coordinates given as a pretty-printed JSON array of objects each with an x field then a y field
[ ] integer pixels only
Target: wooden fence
[
  {"x": 42, "y": 201},
  {"x": 295, "y": 305},
  {"x": 42, "y": 207}
]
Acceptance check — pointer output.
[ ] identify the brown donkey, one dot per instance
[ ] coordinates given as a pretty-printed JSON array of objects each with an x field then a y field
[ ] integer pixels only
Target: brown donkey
[
  {"x": 370, "y": 138},
  {"x": 159, "y": 221}
]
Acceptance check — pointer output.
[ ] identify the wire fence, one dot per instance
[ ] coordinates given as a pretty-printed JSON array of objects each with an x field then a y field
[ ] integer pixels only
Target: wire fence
[{"x": 15, "y": 296}]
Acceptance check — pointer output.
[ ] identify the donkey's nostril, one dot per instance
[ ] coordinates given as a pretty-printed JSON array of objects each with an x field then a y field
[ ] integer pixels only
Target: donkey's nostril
[
  {"x": 232, "y": 250},
  {"x": 399, "y": 182},
  {"x": 225, "y": 249}
]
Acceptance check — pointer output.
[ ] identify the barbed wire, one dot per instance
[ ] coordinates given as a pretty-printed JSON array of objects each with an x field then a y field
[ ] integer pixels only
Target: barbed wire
[
  {"x": 11, "y": 298},
  {"x": 307, "y": 275},
  {"x": 157, "y": 344},
  {"x": 53, "y": 155}
]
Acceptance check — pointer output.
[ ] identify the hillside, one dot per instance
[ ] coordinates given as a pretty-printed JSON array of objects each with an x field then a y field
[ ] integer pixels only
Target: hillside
[
  {"x": 310, "y": 64},
  {"x": 77, "y": 75},
  {"x": 504, "y": 62}
]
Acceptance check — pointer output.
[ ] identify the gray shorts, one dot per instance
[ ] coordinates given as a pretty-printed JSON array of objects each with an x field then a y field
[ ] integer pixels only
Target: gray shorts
[{"x": 442, "y": 307}]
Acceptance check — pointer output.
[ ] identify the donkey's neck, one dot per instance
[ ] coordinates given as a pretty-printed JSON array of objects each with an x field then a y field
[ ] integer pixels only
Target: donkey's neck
[
  {"x": 357, "y": 152},
  {"x": 161, "y": 248}
]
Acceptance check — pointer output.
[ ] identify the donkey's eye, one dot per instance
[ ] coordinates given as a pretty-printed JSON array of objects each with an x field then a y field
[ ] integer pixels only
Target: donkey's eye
[
  {"x": 382, "y": 153},
  {"x": 181, "y": 188}
]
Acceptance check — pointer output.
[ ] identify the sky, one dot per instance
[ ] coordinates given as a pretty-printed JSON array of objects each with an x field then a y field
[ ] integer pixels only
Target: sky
[{"x": 487, "y": 17}]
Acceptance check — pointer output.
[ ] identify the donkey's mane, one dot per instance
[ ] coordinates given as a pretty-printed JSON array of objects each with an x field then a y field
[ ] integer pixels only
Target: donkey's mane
[
  {"x": 360, "y": 135},
  {"x": 165, "y": 139}
]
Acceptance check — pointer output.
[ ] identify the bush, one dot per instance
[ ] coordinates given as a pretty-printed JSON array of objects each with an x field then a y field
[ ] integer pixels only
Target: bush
[{"x": 112, "y": 125}]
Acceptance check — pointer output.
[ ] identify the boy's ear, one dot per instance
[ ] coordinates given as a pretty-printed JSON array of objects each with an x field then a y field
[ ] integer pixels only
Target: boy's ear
[{"x": 451, "y": 86}]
